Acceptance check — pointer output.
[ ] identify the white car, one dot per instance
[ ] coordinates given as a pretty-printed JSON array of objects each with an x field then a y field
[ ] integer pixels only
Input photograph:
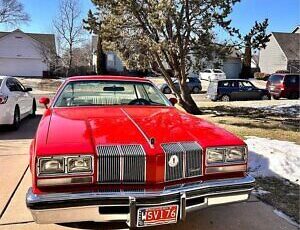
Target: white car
[
  {"x": 15, "y": 102},
  {"x": 212, "y": 75}
]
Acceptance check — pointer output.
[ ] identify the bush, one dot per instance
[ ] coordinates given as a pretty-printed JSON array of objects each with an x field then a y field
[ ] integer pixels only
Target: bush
[{"x": 261, "y": 76}]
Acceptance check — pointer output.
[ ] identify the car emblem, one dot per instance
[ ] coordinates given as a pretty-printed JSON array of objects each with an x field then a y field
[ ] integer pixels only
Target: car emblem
[{"x": 173, "y": 161}]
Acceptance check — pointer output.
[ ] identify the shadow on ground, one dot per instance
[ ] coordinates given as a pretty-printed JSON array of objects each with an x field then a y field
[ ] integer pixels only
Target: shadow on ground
[{"x": 26, "y": 131}]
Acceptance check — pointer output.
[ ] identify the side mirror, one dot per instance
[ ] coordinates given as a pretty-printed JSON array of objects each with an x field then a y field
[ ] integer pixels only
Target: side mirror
[
  {"x": 173, "y": 100},
  {"x": 28, "y": 89},
  {"x": 45, "y": 101}
]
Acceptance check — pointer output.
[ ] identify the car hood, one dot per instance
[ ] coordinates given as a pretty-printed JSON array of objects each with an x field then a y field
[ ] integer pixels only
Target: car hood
[{"x": 80, "y": 130}]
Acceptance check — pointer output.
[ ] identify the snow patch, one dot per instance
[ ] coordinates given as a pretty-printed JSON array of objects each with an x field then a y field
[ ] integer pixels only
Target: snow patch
[{"x": 268, "y": 158}]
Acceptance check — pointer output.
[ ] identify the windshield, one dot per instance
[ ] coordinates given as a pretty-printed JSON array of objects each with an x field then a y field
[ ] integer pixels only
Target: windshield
[
  {"x": 0, "y": 82},
  {"x": 105, "y": 93}
]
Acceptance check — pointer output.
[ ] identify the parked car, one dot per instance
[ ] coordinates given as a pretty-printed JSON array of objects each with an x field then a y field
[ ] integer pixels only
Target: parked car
[
  {"x": 115, "y": 148},
  {"x": 238, "y": 89},
  {"x": 284, "y": 85},
  {"x": 15, "y": 102},
  {"x": 212, "y": 75},
  {"x": 193, "y": 83}
]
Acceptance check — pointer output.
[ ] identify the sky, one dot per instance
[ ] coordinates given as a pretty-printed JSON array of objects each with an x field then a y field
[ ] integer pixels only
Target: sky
[{"x": 284, "y": 15}]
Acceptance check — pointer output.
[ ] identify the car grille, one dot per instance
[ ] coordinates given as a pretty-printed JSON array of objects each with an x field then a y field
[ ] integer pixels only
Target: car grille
[
  {"x": 189, "y": 156},
  {"x": 121, "y": 164}
]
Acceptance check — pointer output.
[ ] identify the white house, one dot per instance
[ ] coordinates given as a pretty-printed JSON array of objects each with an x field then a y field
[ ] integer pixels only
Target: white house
[
  {"x": 25, "y": 54},
  {"x": 282, "y": 53}
]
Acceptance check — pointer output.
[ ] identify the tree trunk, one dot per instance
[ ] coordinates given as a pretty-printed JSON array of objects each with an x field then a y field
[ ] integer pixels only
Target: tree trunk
[
  {"x": 246, "y": 68},
  {"x": 188, "y": 103},
  {"x": 101, "y": 57}
]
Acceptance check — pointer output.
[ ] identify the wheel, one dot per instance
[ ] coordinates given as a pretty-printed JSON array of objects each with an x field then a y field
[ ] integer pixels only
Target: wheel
[
  {"x": 33, "y": 110},
  {"x": 167, "y": 90},
  {"x": 196, "y": 90},
  {"x": 225, "y": 98},
  {"x": 265, "y": 97},
  {"x": 17, "y": 119},
  {"x": 276, "y": 97}
]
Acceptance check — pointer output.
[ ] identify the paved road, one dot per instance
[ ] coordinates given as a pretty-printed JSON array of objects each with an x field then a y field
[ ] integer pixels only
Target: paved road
[{"x": 15, "y": 179}]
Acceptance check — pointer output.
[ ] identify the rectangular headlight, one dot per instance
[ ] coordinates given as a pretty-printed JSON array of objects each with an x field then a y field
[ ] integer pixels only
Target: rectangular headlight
[
  {"x": 236, "y": 155},
  {"x": 226, "y": 155},
  {"x": 215, "y": 155},
  {"x": 54, "y": 165},
  {"x": 81, "y": 164}
]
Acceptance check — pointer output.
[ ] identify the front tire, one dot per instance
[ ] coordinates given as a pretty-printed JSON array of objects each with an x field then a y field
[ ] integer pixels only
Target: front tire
[
  {"x": 17, "y": 119},
  {"x": 276, "y": 97},
  {"x": 225, "y": 98}
]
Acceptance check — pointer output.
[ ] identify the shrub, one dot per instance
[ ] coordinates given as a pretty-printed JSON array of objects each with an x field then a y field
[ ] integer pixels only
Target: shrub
[{"x": 261, "y": 76}]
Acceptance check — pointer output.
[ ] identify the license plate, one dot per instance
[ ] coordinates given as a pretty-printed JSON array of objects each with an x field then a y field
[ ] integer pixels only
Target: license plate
[{"x": 157, "y": 215}]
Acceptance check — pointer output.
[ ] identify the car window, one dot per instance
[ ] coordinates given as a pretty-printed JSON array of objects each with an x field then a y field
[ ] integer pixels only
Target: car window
[
  {"x": 291, "y": 79},
  {"x": 217, "y": 71},
  {"x": 19, "y": 85},
  {"x": 11, "y": 85},
  {"x": 100, "y": 93},
  {"x": 245, "y": 84},
  {"x": 276, "y": 78},
  {"x": 207, "y": 71},
  {"x": 193, "y": 79},
  {"x": 227, "y": 84},
  {"x": 0, "y": 82}
]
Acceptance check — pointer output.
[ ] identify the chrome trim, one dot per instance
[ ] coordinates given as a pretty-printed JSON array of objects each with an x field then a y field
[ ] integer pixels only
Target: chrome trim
[
  {"x": 62, "y": 207},
  {"x": 225, "y": 169},
  {"x": 63, "y": 181},
  {"x": 184, "y": 150},
  {"x": 123, "y": 152},
  {"x": 224, "y": 163},
  {"x": 65, "y": 173}
]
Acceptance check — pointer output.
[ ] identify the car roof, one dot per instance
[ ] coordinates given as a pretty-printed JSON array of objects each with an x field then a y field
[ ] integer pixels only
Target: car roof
[
  {"x": 108, "y": 77},
  {"x": 3, "y": 77},
  {"x": 234, "y": 80}
]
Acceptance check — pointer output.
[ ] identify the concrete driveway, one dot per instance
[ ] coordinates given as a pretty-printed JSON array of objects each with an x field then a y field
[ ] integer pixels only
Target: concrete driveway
[{"x": 15, "y": 179}]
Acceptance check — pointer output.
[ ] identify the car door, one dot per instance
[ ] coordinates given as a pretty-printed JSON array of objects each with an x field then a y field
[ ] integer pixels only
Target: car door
[
  {"x": 27, "y": 98},
  {"x": 19, "y": 95},
  {"x": 240, "y": 92},
  {"x": 251, "y": 92},
  {"x": 14, "y": 93}
]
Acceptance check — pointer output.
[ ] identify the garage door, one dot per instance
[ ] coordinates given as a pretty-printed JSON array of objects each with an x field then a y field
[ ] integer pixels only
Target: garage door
[
  {"x": 22, "y": 67},
  {"x": 232, "y": 69}
]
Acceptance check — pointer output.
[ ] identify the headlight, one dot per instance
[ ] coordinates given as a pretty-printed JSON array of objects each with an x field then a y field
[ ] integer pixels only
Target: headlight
[
  {"x": 215, "y": 155},
  {"x": 79, "y": 164},
  {"x": 235, "y": 155},
  {"x": 226, "y": 155},
  {"x": 51, "y": 165}
]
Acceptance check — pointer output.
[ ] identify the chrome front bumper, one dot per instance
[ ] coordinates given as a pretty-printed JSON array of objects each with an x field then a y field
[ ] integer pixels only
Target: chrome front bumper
[{"x": 123, "y": 205}]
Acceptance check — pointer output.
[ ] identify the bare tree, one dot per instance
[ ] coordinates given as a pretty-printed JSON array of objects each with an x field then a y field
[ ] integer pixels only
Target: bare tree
[
  {"x": 68, "y": 26},
  {"x": 12, "y": 12}
]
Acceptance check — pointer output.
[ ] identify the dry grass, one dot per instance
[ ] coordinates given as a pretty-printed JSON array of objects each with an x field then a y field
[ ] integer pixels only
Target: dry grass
[
  {"x": 249, "y": 127},
  {"x": 282, "y": 195}
]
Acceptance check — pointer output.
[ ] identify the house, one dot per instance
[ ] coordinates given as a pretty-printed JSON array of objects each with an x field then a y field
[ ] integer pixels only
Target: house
[
  {"x": 231, "y": 64},
  {"x": 25, "y": 54},
  {"x": 282, "y": 53},
  {"x": 113, "y": 62}
]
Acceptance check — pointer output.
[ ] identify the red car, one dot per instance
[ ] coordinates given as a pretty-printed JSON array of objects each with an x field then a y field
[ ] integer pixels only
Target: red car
[
  {"x": 114, "y": 148},
  {"x": 284, "y": 85}
]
